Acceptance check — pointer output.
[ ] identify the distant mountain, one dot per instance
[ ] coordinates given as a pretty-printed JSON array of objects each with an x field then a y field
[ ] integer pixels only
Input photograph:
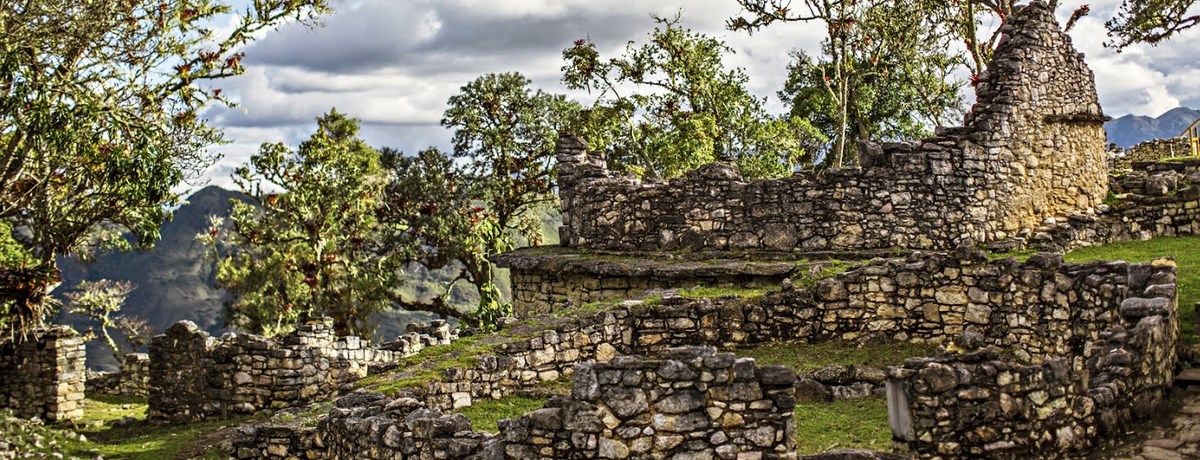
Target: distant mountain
[
  {"x": 174, "y": 281},
  {"x": 1132, "y": 129}
]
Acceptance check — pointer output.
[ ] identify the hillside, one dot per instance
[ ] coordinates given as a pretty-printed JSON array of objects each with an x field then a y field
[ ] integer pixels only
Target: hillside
[
  {"x": 1132, "y": 129},
  {"x": 174, "y": 280}
]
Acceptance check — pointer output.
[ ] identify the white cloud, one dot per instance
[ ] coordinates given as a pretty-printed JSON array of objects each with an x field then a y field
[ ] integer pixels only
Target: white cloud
[{"x": 393, "y": 64}]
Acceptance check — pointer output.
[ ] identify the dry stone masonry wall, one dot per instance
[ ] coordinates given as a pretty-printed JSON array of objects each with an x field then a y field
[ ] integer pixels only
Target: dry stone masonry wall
[
  {"x": 985, "y": 405},
  {"x": 133, "y": 379},
  {"x": 546, "y": 279},
  {"x": 1153, "y": 199},
  {"x": 43, "y": 375},
  {"x": 1044, "y": 312},
  {"x": 1157, "y": 149},
  {"x": 1032, "y": 147},
  {"x": 695, "y": 403},
  {"x": 194, "y": 376}
]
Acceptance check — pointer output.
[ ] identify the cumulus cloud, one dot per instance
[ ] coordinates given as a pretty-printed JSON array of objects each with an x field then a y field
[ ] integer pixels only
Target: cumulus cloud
[
  {"x": 393, "y": 64},
  {"x": 1142, "y": 79}
]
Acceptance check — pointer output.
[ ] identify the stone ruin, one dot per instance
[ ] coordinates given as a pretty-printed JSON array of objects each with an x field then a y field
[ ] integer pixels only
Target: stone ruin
[
  {"x": 1032, "y": 147},
  {"x": 132, "y": 379},
  {"x": 693, "y": 404},
  {"x": 1149, "y": 151},
  {"x": 1052, "y": 358},
  {"x": 194, "y": 376},
  {"x": 1027, "y": 170},
  {"x": 1059, "y": 355},
  {"x": 43, "y": 375}
]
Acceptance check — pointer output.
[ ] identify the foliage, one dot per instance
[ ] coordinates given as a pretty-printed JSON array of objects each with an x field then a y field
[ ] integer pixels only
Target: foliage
[
  {"x": 1153, "y": 21},
  {"x": 99, "y": 301},
  {"x": 309, "y": 244},
  {"x": 443, "y": 227},
  {"x": 98, "y": 117},
  {"x": 687, "y": 108},
  {"x": 879, "y": 77},
  {"x": 450, "y": 213},
  {"x": 506, "y": 133}
]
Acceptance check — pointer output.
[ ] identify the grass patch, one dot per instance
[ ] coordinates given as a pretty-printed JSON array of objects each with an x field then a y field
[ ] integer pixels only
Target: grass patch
[
  {"x": 705, "y": 292},
  {"x": 1021, "y": 254},
  {"x": 809, "y": 357},
  {"x": 429, "y": 365},
  {"x": 855, "y": 423},
  {"x": 135, "y": 440},
  {"x": 1185, "y": 250},
  {"x": 486, "y": 413}
]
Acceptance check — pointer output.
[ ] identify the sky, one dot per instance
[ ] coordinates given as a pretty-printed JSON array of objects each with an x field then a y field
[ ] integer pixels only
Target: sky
[{"x": 393, "y": 63}]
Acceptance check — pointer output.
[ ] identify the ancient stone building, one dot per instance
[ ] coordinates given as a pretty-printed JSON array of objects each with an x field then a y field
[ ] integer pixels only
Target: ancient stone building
[{"x": 1032, "y": 147}]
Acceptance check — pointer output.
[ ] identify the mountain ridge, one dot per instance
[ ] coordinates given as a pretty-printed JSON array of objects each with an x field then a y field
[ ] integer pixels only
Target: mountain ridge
[{"x": 1130, "y": 130}]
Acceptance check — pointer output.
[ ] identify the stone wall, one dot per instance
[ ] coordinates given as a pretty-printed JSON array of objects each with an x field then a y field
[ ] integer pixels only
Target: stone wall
[
  {"x": 546, "y": 279},
  {"x": 43, "y": 375},
  {"x": 1158, "y": 149},
  {"x": 696, "y": 403},
  {"x": 983, "y": 404},
  {"x": 194, "y": 376},
  {"x": 1041, "y": 309},
  {"x": 133, "y": 379},
  {"x": 1153, "y": 199},
  {"x": 1032, "y": 147}
]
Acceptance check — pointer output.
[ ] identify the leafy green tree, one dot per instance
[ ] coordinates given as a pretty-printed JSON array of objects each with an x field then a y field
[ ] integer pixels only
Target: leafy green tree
[
  {"x": 98, "y": 119},
  {"x": 504, "y": 140},
  {"x": 444, "y": 225},
  {"x": 897, "y": 82},
  {"x": 1150, "y": 21},
  {"x": 308, "y": 245},
  {"x": 880, "y": 74},
  {"x": 685, "y": 108},
  {"x": 505, "y": 132}
]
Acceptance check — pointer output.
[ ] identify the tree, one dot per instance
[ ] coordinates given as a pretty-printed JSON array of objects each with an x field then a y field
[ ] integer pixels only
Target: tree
[
  {"x": 433, "y": 201},
  {"x": 895, "y": 80},
  {"x": 880, "y": 75},
  {"x": 506, "y": 133},
  {"x": 688, "y": 109},
  {"x": 1140, "y": 21},
  {"x": 100, "y": 301},
  {"x": 309, "y": 244},
  {"x": 98, "y": 119}
]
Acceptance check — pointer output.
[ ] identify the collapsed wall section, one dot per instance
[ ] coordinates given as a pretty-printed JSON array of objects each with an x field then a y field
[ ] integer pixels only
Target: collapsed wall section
[
  {"x": 43, "y": 375},
  {"x": 1032, "y": 147},
  {"x": 194, "y": 376},
  {"x": 694, "y": 403},
  {"x": 133, "y": 378}
]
